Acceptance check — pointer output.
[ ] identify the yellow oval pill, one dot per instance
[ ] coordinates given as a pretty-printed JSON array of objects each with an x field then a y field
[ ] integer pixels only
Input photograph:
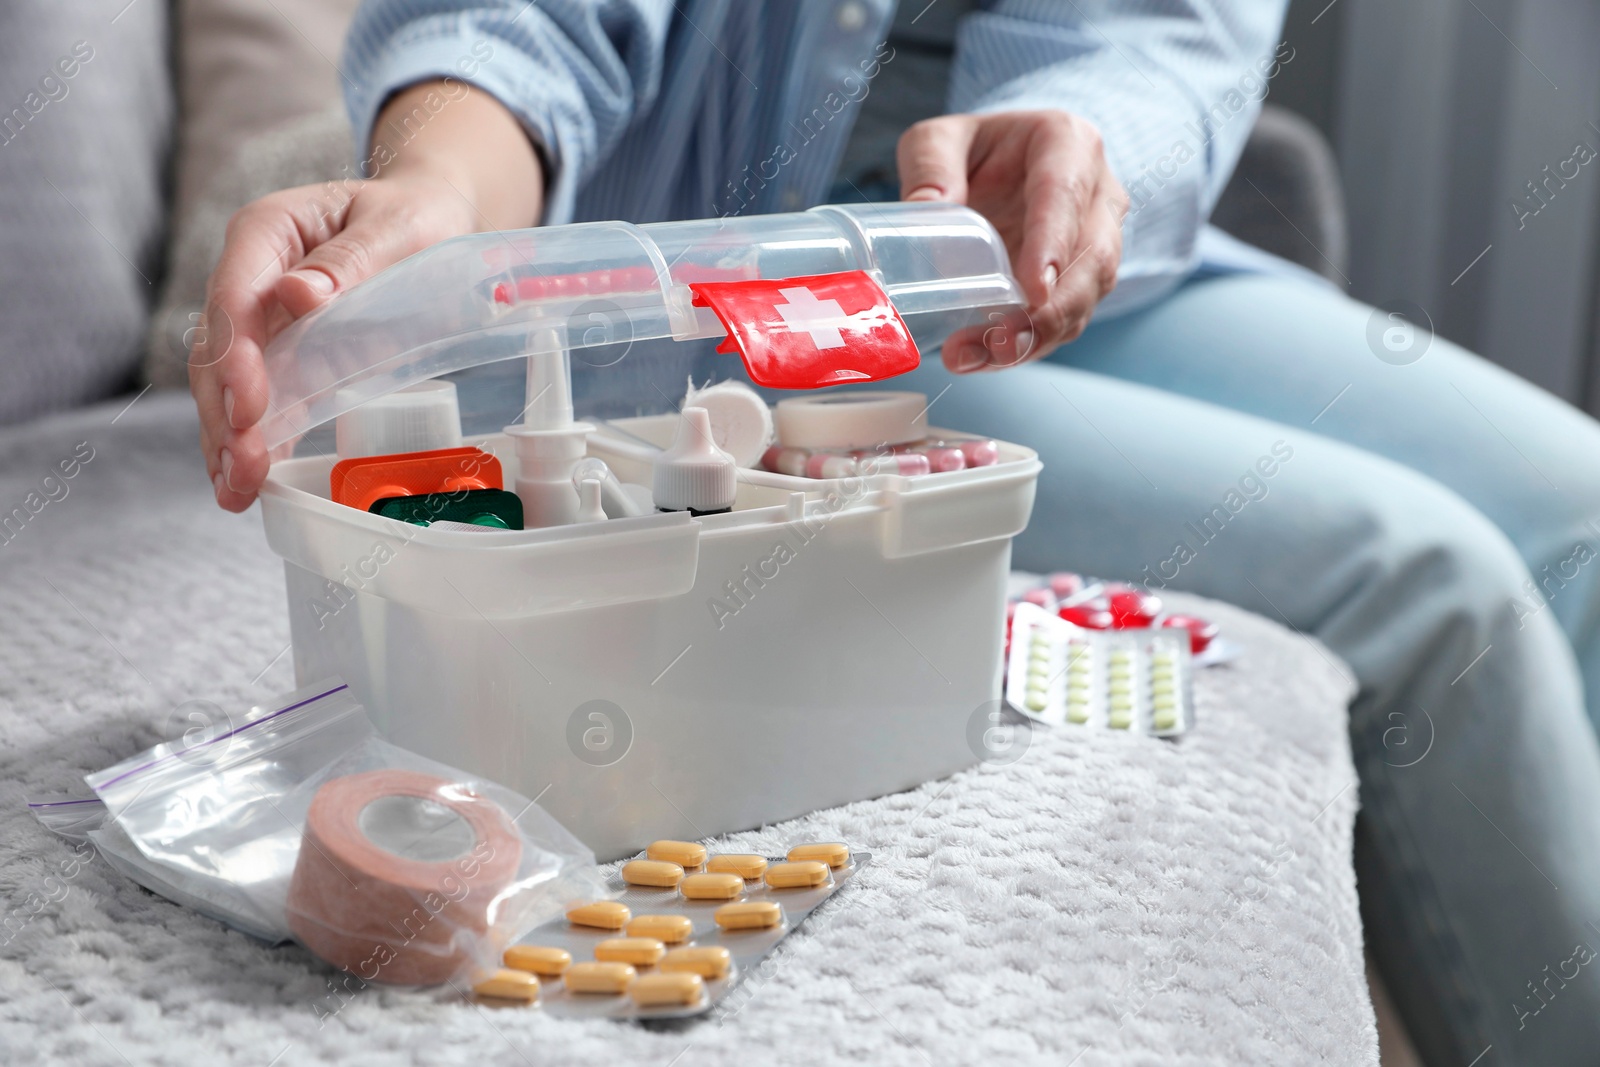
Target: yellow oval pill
[
  {"x": 652, "y": 872},
  {"x": 601, "y": 914},
  {"x": 639, "y": 951},
  {"x": 708, "y": 961},
  {"x": 539, "y": 959},
  {"x": 749, "y": 915},
  {"x": 675, "y": 989},
  {"x": 742, "y": 864},
  {"x": 712, "y": 885},
  {"x": 683, "y": 853},
  {"x": 509, "y": 985},
  {"x": 593, "y": 976},
  {"x": 668, "y": 928},
  {"x": 799, "y": 874}
]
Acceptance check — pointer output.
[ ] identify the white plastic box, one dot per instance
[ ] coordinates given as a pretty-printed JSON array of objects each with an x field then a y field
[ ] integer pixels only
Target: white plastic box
[{"x": 827, "y": 641}]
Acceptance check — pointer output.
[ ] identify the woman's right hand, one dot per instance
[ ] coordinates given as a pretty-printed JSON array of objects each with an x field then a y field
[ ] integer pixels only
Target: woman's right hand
[{"x": 472, "y": 168}]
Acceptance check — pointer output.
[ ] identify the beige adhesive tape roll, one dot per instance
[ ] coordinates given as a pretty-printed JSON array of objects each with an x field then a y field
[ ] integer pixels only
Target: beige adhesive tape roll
[
  {"x": 852, "y": 420},
  {"x": 411, "y": 910}
]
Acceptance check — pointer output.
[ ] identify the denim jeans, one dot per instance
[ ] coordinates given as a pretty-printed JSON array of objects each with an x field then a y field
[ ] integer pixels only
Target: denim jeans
[{"x": 1436, "y": 522}]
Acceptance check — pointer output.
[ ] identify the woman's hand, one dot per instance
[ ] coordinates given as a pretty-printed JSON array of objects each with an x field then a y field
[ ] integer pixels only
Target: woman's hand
[
  {"x": 1041, "y": 178},
  {"x": 469, "y": 167}
]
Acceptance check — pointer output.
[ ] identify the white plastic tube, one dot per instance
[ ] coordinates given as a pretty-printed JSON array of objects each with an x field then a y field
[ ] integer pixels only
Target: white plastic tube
[{"x": 615, "y": 499}]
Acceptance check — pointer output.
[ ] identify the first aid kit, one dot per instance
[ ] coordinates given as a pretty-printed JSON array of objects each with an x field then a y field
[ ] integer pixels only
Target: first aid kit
[{"x": 678, "y": 637}]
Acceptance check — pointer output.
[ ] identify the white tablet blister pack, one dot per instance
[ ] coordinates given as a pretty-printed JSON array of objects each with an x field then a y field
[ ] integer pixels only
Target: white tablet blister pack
[{"x": 1133, "y": 680}]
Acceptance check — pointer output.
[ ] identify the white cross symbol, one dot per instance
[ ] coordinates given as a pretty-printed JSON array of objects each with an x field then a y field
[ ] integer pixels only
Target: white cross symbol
[{"x": 804, "y": 313}]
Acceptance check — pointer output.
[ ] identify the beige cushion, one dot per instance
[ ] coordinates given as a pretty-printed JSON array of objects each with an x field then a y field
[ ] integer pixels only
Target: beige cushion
[{"x": 245, "y": 68}]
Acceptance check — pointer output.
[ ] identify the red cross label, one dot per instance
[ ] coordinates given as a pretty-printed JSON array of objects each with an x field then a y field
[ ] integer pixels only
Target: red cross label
[{"x": 805, "y": 333}]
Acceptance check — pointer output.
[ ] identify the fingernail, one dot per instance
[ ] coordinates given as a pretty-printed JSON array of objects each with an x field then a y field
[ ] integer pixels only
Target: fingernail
[
  {"x": 1050, "y": 275},
  {"x": 925, "y": 192},
  {"x": 318, "y": 281},
  {"x": 226, "y": 474},
  {"x": 970, "y": 356},
  {"x": 227, "y": 405},
  {"x": 1024, "y": 344},
  {"x": 216, "y": 484}
]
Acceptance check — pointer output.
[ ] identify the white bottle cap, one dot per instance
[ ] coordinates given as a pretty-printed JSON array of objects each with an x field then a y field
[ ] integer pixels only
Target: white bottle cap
[
  {"x": 418, "y": 418},
  {"x": 693, "y": 474},
  {"x": 589, "y": 506},
  {"x": 741, "y": 422}
]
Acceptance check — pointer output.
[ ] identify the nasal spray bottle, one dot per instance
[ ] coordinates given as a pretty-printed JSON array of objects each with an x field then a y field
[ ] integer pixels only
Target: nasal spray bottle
[
  {"x": 693, "y": 474},
  {"x": 549, "y": 443}
]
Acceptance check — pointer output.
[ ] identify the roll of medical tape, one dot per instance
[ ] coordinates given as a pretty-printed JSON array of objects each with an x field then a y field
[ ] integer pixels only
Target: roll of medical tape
[
  {"x": 386, "y": 916},
  {"x": 852, "y": 420}
]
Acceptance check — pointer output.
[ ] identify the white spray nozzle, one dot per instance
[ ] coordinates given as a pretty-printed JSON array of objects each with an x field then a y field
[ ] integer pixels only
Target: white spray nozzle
[
  {"x": 548, "y": 443},
  {"x": 549, "y": 395}
]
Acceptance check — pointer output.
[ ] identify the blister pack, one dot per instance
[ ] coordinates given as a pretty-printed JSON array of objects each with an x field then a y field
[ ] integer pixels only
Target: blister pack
[
  {"x": 1133, "y": 680},
  {"x": 676, "y": 946}
]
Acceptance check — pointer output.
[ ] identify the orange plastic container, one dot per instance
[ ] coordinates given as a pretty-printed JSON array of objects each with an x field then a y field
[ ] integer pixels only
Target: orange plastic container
[{"x": 365, "y": 480}]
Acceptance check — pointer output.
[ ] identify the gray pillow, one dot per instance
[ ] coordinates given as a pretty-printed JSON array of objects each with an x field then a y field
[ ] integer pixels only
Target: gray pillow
[{"x": 86, "y": 112}]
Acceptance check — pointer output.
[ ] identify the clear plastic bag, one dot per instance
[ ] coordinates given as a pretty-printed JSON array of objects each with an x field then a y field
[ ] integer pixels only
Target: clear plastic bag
[
  {"x": 303, "y": 823},
  {"x": 84, "y": 823}
]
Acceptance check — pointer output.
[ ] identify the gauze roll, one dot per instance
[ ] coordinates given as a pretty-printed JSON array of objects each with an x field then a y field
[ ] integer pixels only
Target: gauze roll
[{"x": 398, "y": 875}]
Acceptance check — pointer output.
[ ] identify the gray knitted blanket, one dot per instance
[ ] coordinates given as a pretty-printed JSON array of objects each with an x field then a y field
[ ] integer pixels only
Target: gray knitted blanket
[{"x": 1103, "y": 900}]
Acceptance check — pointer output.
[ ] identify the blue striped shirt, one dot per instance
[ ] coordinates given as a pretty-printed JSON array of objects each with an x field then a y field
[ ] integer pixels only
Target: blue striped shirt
[{"x": 649, "y": 109}]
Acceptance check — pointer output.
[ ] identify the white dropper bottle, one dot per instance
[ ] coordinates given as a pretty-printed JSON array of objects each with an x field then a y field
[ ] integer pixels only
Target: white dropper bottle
[
  {"x": 549, "y": 443},
  {"x": 693, "y": 474}
]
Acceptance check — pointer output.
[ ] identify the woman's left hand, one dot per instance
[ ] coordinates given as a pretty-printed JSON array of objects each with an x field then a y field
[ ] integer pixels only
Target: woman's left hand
[{"x": 1041, "y": 178}]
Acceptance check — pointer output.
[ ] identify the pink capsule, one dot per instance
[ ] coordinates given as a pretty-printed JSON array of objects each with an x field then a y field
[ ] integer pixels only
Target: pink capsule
[
  {"x": 1201, "y": 632},
  {"x": 831, "y": 465},
  {"x": 980, "y": 453},
  {"x": 790, "y": 461},
  {"x": 1065, "y": 584},
  {"x": 803, "y": 463},
  {"x": 1132, "y": 609},
  {"x": 1089, "y": 616},
  {"x": 941, "y": 456},
  {"x": 944, "y": 458},
  {"x": 908, "y": 465},
  {"x": 1042, "y": 597}
]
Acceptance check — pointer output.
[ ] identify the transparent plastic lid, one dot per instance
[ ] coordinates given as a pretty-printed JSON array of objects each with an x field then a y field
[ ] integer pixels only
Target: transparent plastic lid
[{"x": 496, "y": 296}]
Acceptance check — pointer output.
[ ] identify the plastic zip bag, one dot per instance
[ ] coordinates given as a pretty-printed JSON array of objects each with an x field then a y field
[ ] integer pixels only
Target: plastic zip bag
[
  {"x": 83, "y": 821},
  {"x": 303, "y": 823}
]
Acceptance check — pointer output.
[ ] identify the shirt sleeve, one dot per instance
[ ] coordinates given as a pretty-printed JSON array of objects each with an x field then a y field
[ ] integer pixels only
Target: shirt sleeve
[
  {"x": 1174, "y": 87},
  {"x": 574, "y": 72}
]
